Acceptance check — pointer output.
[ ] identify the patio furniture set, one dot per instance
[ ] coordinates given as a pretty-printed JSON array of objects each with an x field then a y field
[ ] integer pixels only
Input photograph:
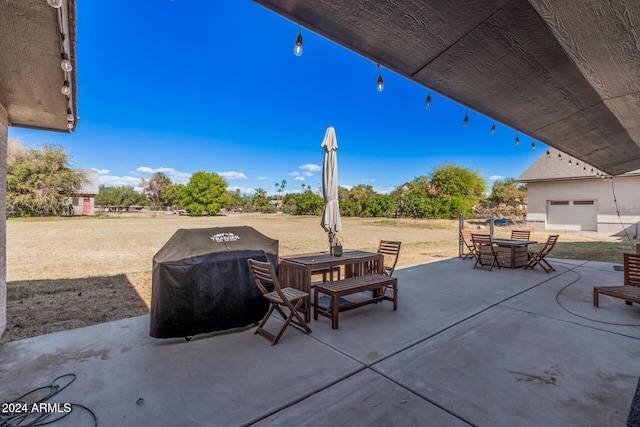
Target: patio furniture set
[
  {"x": 366, "y": 273},
  {"x": 514, "y": 253},
  {"x": 488, "y": 251}
]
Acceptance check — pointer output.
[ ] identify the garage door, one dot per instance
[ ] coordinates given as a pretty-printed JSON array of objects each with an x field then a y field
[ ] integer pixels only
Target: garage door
[{"x": 571, "y": 215}]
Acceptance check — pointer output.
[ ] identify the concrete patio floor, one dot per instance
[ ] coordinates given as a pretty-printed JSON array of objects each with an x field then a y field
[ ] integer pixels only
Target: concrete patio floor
[{"x": 466, "y": 347}]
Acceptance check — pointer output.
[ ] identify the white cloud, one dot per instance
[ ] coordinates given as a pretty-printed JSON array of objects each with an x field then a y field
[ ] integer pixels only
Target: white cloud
[
  {"x": 311, "y": 167},
  {"x": 262, "y": 177},
  {"x": 176, "y": 177},
  {"x": 101, "y": 171},
  {"x": 381, "y": 190},
  {"x": 495, "y": 177},
  {"x": 368, "y": 180},
  {"x": 243, "y": 190},
  {"x": 118, "y": 181},
  {"x": 309, "y": 170},
  {"x": 147, "y": 169},
  {"x": 232, "y": 175}
]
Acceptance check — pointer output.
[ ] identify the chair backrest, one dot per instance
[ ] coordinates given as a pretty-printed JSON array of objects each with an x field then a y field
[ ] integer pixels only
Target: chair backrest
[
  {"x": 263, "y": 273},
  {"x": 483, "y": 238},
  {"x": 392, "y": 249},
  {"x": 551, "y": 242},
  {"x": 520, "y": 234},
  {"x": 482, "y": 241},
  {"x": 465, "y": 235},
  {"x": 632, "y": 269}
]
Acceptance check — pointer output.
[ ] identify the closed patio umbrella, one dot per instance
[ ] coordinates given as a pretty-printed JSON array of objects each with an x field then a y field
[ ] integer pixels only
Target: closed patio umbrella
[{"x": 331, "y": 215}]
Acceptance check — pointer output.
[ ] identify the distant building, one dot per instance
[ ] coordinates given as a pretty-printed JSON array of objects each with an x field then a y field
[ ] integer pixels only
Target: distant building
[
  {"x": 84, "y": 202},
  {"x": 565, "y": 197}
]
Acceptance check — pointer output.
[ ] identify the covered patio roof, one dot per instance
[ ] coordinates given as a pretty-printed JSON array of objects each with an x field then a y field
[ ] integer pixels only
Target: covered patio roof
[
  {"x": 34, "y": 36},
  {"x": 564, "y": 73}
]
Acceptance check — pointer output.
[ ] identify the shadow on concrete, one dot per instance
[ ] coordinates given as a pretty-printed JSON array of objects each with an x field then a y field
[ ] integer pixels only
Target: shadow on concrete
[{"x": 37, "y": 307}]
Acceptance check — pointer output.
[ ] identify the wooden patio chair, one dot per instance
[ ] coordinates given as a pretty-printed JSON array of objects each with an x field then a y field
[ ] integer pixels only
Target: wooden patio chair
[
  {"x": 290, "y": 298},
  {"x": 485, "y": 250},
  {"x": 537, "y": 258},
  {"x": 391, "y": 252},
  {"x": 630, "y": 291},
  {"x": 520, "y": 234},
  {"x": 465, "y": 238}
]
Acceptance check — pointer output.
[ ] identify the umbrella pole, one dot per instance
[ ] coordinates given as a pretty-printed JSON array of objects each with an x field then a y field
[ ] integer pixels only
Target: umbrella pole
[{"x": 331, "y": 236}]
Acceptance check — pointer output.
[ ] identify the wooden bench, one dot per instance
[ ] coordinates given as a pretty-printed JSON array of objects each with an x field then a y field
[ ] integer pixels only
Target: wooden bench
[
  {"x": 630, "y": 291},
  {"x": 349, "y": 286}
]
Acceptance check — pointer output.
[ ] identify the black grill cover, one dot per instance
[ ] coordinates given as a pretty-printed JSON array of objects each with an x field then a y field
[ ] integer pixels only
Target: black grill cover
[{"x": 201, "y": 281}]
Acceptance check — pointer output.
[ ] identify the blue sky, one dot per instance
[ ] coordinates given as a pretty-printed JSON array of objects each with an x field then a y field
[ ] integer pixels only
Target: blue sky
[{"x": 180, "y": 86}]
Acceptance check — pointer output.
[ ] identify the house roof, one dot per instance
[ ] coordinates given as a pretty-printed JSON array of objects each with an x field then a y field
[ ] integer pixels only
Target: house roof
[
  {"x": 564, "y": 73},
  {"x": 31, "y": 77},
  {"x": 557, "y": 168}
]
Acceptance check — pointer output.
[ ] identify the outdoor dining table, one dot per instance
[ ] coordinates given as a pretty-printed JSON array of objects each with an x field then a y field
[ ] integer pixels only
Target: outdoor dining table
[
  {"x": 297, "y": 270},
  {"x": 512, "y": 253}
]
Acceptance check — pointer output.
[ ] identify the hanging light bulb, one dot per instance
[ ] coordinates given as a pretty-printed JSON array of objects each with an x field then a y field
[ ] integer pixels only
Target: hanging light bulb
[
  {"x": 428, "y": 101},
  {"x": 69, "y": 115},
  {"x": 533, "y": 145},
  {"x": 517, "y": 140},
  {"x": 69, "y": 125},
  {"x": 66, "y": 88},
  {"x": 55, "y": 3},
  {"x": 66, "y": 63},
  {"x": 559, "y": 156},
  {"x": 548, "y": 154},
  {"x": 570, "y": 161},
  {"x": 297, "y": 49},
  {"x": 380, "y": 81},
  {"x": 493, "y": 128},
  {"x": 584, "y": 169},
  {"x": 465, "y": 122},
  {"x": 577, "y": 164}
]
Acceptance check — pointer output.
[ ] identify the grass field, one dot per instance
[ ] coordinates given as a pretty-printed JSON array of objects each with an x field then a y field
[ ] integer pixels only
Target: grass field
[{"x": 64, "y": 273}]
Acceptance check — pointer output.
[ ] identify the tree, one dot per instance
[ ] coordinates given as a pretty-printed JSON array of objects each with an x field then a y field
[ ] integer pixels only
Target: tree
[
  {"x": 363, "y": 201},
  {"x": 238, "y": 202},
  {"x": 124, "y": 195},
  {"x": 39, "y": 180},
  {"x": 449, "y": 191},
  {"x": 172, "y": 195},
  {"x": 205, "y": 192},
  {"x": 508, "y": 192},
  {"x": 155, "y": 186},
  {"x": 453, "y": 179},
  {"x": 280, "y": 189},
  {"x": 261, "y": 202},
  {"x": 308, "y": 202}
]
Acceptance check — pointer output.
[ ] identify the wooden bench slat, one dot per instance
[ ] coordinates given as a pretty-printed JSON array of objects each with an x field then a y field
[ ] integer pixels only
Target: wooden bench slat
[{"x": 353, "y": 285}]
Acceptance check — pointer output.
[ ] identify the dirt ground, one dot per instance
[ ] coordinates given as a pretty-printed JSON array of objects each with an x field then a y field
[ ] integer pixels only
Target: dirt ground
[{"x": 70, "y": 272}]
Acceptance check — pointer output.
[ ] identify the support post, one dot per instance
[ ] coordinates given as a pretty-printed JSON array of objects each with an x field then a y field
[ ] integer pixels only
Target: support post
[
  {"x": 460, "y": 228},
  {"x": 4, "y": 124}
]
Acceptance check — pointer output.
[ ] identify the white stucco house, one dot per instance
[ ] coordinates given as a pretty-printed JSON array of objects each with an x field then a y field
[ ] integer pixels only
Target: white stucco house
[{"x": 563, "y": 196}]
